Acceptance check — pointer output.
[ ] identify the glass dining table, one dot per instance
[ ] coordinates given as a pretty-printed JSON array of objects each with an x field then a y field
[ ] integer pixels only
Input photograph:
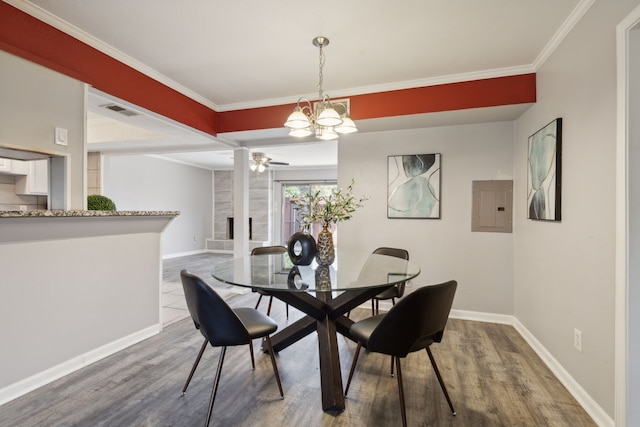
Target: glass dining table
[{"x": 324, "y": 294}]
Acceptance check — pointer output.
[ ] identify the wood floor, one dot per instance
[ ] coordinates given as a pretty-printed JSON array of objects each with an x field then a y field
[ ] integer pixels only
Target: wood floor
[{"x": 493, "y": 377}]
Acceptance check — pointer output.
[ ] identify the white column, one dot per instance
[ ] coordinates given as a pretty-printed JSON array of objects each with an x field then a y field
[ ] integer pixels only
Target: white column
[{"x": 240, "y": 202}]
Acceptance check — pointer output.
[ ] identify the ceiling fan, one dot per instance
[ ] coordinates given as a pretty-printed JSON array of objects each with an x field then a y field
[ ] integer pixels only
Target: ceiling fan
[{"x": 260, "y": 161}]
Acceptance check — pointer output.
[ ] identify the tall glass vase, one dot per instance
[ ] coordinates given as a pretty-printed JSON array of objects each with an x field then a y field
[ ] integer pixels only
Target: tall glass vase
[{"x": 325, "y": 254}]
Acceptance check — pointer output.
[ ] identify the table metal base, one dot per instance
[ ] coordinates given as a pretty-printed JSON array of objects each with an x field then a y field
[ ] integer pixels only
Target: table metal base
[{"x": 325, "y": 315}]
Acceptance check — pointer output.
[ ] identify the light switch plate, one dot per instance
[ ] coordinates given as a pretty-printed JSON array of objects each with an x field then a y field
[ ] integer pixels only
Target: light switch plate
[{"x": 62, "y": 136}]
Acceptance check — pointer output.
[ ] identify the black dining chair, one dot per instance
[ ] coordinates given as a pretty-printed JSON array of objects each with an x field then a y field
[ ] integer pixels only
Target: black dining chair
[
  {"x": 413, "y": 324},
  {"x": 396, "y": 291},
  {"x": 264, "y": 250},
  {"x": 223, "y": 326}
]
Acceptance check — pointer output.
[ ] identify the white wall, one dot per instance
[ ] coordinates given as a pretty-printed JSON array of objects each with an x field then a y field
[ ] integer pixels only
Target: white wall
[
  {"x": 140, "y": 182},
  {"x": 74, "y": 290},
  {"x": 36, "y": 100},
  {"x": 564, "y": 272},
  {"x": 443, "y": 248}
]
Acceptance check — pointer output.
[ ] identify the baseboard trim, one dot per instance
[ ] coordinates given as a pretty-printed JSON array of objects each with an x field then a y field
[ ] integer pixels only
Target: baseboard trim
[
  {"x": 180, "y": 254},
  {"x": 595, "y": 411},
  {"x": 40, "y": 379},
  {"x": 503, "y": 319}
]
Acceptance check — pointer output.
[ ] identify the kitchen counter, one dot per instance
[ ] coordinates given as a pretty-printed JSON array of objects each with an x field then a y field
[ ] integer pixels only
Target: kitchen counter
[
  {"x": 80, "y": 213},
  {"x": 36, "y": 225},
  {"x": 86, "y": 284}
]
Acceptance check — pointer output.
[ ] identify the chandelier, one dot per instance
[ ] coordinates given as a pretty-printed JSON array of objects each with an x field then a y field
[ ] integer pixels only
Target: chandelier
[{"x": 322, "y": 118}]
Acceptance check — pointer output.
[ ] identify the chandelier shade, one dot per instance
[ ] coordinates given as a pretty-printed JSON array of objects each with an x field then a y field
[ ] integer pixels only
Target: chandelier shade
[
  {"x": 301, "y": 133},
  {"x": 347, "y": 126},
  {"x": 322, "y": 118},
  {"x": 329, "y": 117},
  {"x": 297, "y": 119}
]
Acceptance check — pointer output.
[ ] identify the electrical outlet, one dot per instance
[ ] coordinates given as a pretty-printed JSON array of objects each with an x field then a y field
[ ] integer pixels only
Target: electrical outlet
[{"x": 577, "y": 339}]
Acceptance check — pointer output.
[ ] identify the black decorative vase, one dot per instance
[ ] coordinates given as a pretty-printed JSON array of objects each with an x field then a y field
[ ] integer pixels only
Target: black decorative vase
[
  {"x": 302, "y": 248},
  {"x": 294, "y": 280}
]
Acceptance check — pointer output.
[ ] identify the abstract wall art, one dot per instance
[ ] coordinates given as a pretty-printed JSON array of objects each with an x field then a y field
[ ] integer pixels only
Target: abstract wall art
[
  {"x": 544, "y": 172},
  {"x": 413, "y": 186}
]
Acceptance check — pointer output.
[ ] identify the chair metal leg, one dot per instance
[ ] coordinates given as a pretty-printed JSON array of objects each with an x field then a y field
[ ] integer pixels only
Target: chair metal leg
[
  {"x": 444, "y": 389},
  {"x": 216, "y": 381},
  {"x": 275, "y": 366},
  {"x": 401, "y": 393},
  {"x": 258, "y": 303},
  {"x": 353, "y": 368},
  {"x": 287, "y": 308},
  {"x": 373, "y": 307},
  {"x": 195, "y": 365},
  {"x": 253, "y": 361},
  {"x": 391, "y": 365},
  {"x": 269, "y": 307}
]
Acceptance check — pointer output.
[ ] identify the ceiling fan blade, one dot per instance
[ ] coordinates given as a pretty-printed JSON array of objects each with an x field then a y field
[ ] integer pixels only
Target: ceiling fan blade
[{"x": 279, "y": 163}]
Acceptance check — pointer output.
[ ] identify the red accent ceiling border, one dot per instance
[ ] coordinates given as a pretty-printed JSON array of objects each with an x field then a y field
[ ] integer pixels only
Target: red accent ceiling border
[
  {"x": 27, "y": 37},
  {"x": 34, "y": 40},
  {"x": 510, "y": 90}
]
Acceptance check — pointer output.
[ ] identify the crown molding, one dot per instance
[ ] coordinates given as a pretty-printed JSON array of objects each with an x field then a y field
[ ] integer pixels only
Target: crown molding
[
  {"x": 387, "y": 87},
  {"x": 566, "y": 27},
  {"x": 64, "y": 26}
]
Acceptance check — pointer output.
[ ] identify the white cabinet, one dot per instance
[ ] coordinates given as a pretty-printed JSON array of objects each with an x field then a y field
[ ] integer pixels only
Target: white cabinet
[
  {"x": 13, "y": 167},
  {"x": 36, "y": 181},
  {"x": 5, "y": 165}
]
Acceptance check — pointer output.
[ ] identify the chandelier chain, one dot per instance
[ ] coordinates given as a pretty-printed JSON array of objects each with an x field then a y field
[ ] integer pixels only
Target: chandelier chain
[{"x": 321, "y": 75}]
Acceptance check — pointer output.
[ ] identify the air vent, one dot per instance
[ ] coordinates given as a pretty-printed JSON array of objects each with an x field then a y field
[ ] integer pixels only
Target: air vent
[{"x": 119, "y": 109}]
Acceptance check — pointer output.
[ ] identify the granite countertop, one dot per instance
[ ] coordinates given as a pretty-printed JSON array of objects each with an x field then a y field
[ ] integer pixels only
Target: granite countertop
[{"x": 80, "y": 213}]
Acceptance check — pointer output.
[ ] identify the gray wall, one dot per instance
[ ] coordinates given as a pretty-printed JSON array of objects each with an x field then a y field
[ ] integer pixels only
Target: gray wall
[
  {"x": 141, "y": 182},
  {"x": 444, "y": 248},
  {"x": 36, "y": 100},
  {"x": 564, "y": 272},
  {"x": 92, "y": 288},
  {"x": 633, "y": 313}
]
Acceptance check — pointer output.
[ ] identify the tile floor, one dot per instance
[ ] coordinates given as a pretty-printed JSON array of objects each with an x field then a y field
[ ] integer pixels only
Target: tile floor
[{"x": 174, "y": 306}]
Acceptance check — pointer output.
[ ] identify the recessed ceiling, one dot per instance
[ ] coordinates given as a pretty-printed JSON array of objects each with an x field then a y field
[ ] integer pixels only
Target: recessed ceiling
[{"x": 235, "y": 55}]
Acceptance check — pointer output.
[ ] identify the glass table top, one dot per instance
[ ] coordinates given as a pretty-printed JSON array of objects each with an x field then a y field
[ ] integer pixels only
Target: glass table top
[{"x": 349, "y": 271}]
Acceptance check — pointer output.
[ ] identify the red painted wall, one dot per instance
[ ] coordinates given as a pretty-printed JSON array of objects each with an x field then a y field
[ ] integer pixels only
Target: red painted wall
[
  {"x": 511, "y": 90},
  {"x": 27, "y": 37}
]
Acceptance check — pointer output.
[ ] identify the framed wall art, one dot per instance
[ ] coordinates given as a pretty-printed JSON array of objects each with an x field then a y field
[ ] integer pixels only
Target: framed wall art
[
  {"x": 413, "y": 186},
  {"x": 544, "y": 173}
]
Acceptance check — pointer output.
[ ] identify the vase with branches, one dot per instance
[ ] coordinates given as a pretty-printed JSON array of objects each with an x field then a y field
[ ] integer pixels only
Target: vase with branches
[{"x": 326, "y": 210}]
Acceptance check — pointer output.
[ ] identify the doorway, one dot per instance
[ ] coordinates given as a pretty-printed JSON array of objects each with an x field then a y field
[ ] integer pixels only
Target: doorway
[
  {"x": 290, "y": 219},
  {"x": 627, "y": 311}
]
